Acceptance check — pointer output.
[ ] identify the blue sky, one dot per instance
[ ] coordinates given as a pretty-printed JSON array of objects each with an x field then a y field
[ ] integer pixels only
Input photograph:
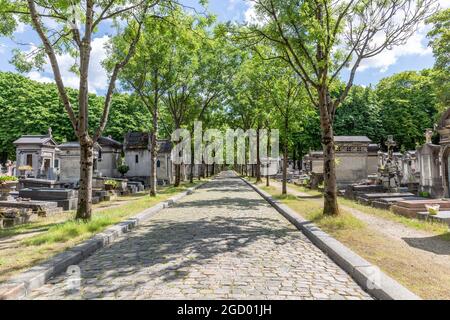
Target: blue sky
[{"x": 414, "y": 55}]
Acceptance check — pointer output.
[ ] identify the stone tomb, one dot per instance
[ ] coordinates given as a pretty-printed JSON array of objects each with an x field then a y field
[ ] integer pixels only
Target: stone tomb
[
  {"x": 442, "y": 216},
  {"x": 369, "y": 198},
  {"x": 411, "y": 208},
  {"x": 386, "y": 203},
  {"x": 38, "y": 153},
  {"x": 354, "y": 191},
  {"x": 65, "y": 198},
  {"x": 39, "y": 183},
  {"x": 138, "y": 185},
  {"x": 21, "y": 211}
]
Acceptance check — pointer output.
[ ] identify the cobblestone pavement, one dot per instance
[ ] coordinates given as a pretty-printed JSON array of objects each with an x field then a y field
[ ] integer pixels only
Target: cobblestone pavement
[{"x": 222, "y": 242}]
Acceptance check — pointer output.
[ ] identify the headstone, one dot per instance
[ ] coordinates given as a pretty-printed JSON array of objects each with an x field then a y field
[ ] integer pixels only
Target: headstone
[
  {"x": 65, "y": 198},
  {"x": 410, "y": 208}
]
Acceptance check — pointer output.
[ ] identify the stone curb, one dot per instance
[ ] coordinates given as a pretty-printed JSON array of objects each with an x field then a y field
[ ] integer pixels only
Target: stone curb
[
  {"x": 367, "y": 275},
  {"x": 21, "y": 285}
]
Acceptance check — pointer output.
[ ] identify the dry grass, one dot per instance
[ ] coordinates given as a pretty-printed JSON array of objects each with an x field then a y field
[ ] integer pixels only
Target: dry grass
[
  {"x": 26, "y": 245},
  {"x": 413, "y": 269}
]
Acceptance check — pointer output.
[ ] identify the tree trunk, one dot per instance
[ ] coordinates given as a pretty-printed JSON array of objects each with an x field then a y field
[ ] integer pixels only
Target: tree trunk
[
  {"x": 191, "y": 171},
  {"x": 154, "y": 137},
  {"x": 268, "y": 159},
  {"x": 258, "y": 159},
  {"x": 202, "y": 174},
  {"x": 177, "y": 175},
  {"x": 84, "y": 211},
  {"x": 330, "y": 206},
  {"x": 285, "y": 156},
  {"x": 153, "y": 153},
  {"x": 294, "y": 157},
  {"x": 191, "y": 174},
  {"x": 285, "y": 164}
]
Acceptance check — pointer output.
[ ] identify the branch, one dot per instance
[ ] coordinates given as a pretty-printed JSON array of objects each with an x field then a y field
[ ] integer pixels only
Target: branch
[
  {"x": 54, "y": 63},
  {"x": 112, "y": 83}
]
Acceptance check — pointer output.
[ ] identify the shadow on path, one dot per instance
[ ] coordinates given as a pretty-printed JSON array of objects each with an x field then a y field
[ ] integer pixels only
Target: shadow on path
[
  {"x": 168, "y": 250},
  {"x": 433, "y": 244}
]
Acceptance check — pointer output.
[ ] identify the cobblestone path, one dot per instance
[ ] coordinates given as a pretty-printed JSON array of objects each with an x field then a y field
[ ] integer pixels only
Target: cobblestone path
[{"x": 222, "y": 242}]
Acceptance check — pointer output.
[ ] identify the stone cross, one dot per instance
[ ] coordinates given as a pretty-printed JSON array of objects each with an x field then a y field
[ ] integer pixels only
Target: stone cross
[{"x": 390, "y": 143}]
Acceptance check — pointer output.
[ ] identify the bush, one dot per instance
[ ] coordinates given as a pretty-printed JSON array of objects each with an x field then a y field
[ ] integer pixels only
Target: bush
[
  {"x": 112, "y": 183},
  {"x": 424, "y": 194},
  {"x": 4, "y": 179},
  {"x": 25, "y": 168},
  {"x": 123, "y": 169}
]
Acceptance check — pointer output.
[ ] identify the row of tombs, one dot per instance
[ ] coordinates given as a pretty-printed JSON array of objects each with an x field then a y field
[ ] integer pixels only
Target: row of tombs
[
  {"x": 48, "y": 174},
  {"x": 414, "y": 183}
]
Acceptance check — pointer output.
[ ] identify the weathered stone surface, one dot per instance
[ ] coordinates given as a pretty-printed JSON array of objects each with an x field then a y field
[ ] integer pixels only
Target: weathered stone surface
[
  {"x": 442, "y": 217},
  {"x": 223, "y": 242}
]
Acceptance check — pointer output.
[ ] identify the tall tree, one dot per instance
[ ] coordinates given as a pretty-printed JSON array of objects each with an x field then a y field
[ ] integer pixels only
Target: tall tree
[
  {"x": 148, "y": 72},
  {"x": 70, "y": 27},
  {"x": 407, "y": 106},
  {"x": 285, "y": 94},
  {"x": 359, "y": 115},
  {"x": 31, "y": 107},
  {"x": 319, "y": 38},
  {"x": 440, "y": 42}
]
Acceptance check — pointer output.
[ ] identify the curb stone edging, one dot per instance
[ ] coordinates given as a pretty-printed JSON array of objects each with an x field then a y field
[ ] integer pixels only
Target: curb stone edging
[
  {"x": 362, "y": 271},
  {"x": 20, "y": 286}
]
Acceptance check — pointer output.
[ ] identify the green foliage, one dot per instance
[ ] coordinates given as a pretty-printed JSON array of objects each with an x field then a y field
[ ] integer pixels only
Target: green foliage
[
  {"x": 440, "y": 42},
  {"x": 359, "y": 115},
  {"x": 424, "y": 194},
  {"x": 29, "y": 107},
  {"x": 113, "y": 183},
  {"x": 440, "y": 38},
  {"x": 123, "y": 169},
  {"x": 4, "y": 179},
  {"x": 407, "y": 106}
]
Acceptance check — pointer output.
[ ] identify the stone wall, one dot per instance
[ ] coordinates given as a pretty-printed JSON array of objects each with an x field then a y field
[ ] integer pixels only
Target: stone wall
[
  {"x": 351, "y": 168},
  {"x": 107, "y": 165}
]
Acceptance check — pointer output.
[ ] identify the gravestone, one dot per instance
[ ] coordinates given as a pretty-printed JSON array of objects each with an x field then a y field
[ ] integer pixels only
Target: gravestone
[
  {"x": 442, "y": 217},
  {"x": 410, "y": 208},
  {"x": 65, "y": 198}
]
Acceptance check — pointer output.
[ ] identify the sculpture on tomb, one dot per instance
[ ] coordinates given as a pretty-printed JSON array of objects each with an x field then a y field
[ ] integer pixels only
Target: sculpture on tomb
[
  {"x": 389, "y": 172},
  {"x": 428, "y": 136}
]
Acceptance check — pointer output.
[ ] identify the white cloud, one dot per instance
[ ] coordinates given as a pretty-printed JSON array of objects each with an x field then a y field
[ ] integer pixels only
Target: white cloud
[
  {"x": 36, "y": 76},
  {"x": 21, "y": 27},
  {"x": 98, "y": 78},
  {"x": 250, "y": 15}
]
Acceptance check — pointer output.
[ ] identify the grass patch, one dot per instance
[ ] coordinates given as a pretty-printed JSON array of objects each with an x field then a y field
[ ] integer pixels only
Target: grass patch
[
  {"x": 41, "y": 239},
  {"x": 71, "y": 229},
  {"x": 312, "y": 211},
  {"x": 429, "y": 278},
  {"x": 311, "y": 192}
]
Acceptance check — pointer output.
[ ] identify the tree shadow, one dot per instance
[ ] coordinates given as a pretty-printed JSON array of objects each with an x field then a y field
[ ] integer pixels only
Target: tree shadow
[
  {"x": 435, "y": 244},
  {"x": 174, "y": 248},
  {"x": 224, "y": 203}
]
